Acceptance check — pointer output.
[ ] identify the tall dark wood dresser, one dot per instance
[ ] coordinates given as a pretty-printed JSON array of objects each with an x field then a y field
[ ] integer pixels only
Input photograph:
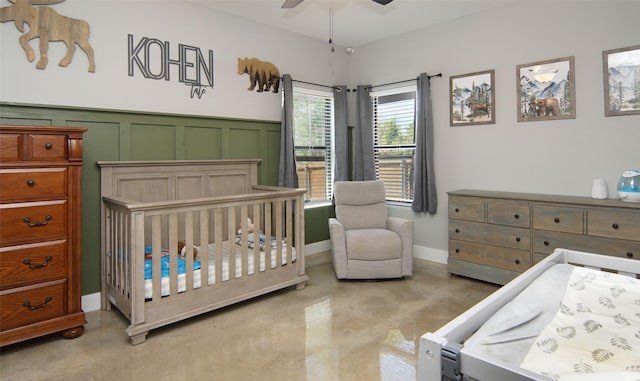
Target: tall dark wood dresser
[{"x": 40, "y": 232}]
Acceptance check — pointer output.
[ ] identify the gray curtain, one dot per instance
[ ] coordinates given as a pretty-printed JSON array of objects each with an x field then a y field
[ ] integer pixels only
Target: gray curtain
[
  {"x": 424, "y": 180},
  {"x": 287, "y": 175},
  {"x": 364, "y": 165},
  {"x": 341, "y": 140}
]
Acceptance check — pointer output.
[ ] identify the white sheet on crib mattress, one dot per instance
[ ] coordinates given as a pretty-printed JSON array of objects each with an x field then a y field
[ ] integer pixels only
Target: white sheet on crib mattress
[{"x": 197, "y": 277}]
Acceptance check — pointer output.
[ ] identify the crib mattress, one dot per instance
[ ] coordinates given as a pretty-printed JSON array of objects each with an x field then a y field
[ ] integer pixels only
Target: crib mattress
[
  {"x": 211, "y": 257},
  {"x": 549, "y": 327}
]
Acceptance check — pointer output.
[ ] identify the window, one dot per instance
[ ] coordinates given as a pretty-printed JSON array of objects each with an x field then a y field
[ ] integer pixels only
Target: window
[
  {"x": 394, "y": 141},
  {"x": 313, "y": 140}
]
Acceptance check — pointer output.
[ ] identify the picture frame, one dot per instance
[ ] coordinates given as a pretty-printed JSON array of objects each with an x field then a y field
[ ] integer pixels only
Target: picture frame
[
  {"x": 621, "y": 75},
  {"x": 472, "y": 98},
  {"x": 546, "y": 90}
]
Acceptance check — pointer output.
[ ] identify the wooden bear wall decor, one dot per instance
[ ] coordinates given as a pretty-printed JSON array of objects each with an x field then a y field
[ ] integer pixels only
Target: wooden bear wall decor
[
  {"x": 264, "y": 74},
  {"x": 47, "y": 25}
]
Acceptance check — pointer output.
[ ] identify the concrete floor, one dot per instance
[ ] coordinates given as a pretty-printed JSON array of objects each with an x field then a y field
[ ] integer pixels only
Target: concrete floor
[{"x": 331, "y": 330}]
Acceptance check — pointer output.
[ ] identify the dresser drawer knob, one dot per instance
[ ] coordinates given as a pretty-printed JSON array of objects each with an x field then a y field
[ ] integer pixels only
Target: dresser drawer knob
[
  {"x": 27, "y": 221},
  {"x": 517, "y": 239},
  {"x": 31, "y": 183},
  {"x": 40, "y": 265},
  {"x": 456, "y": 210},
  {"x": 516, "y": 216},
  {"x": 517, "y": 261},
  {"x": 546, "y": 243},
  {"x": 458, "y": 251},
  {"x": 28, "y": 305},
  {"x": 556, "y": 220},
  {"x": 629, "y": 254},
  {"x": 457, "y": 230},
  {"x": 48, "y": 146},
  {"x": 615, "y": 226}
]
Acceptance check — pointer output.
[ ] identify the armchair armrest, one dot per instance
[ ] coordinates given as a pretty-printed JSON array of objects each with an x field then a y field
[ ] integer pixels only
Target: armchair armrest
[
  {"x": 404, "y": 228},
  {"x": 338, "y": 247}
]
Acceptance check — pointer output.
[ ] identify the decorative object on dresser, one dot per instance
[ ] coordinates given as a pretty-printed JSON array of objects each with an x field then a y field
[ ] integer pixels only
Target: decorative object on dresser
[
  {"x": 40, "y": 232},
  {"x": 495, "y": 236}
]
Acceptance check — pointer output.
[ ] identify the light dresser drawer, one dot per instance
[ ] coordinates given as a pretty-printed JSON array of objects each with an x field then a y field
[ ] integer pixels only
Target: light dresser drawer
[
  {"x": 33, "y": 222},
  {"x": 508, "y": 212},
  {"x": 489, "y": 255},
  {"x": 558, "y": 218},
  {"x": 613, "y": 224},
  {"x": 38, "y": 262},
  {"x": 26, "y": 305},
  {"x": 505, "y": 236},
  {"x": 466, "y": 208},
  {"x": 48, "y": 147},
  {"x": 544, "y": 242},
  {"x": 33, "y": 183}
]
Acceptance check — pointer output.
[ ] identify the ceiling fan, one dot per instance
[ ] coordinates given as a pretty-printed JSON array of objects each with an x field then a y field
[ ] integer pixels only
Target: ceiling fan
[{"x": 288, "y": 4}]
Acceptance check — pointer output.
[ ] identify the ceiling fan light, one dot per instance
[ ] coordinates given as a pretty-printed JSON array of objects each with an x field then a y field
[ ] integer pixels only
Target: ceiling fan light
[
  {"x": 288, "y": 4},
  {"x": 383, "y": 2}
]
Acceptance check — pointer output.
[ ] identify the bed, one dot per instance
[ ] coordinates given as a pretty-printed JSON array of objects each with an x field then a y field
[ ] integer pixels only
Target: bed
[
  {"x": 182, "y": 238},
  {"x": 563, "y": 319}
]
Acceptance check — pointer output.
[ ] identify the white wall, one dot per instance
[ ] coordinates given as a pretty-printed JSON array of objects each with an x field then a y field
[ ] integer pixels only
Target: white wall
[
  {"x": 177, "y": 22},
  {"x": 554, "y": 157}
]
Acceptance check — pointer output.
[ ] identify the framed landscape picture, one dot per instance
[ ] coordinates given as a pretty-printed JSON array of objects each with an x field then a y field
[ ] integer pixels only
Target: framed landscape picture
[
  {"x": 546, "y": 90},
  {"x": 472, "y": 98},
  {"x": 621, "y": 81}
]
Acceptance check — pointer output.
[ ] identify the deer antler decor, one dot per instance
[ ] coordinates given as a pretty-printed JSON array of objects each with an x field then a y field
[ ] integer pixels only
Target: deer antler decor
[{"x": 46, "y": 24}]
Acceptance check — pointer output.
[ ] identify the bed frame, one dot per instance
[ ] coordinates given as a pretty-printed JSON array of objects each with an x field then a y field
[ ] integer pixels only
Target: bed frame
[
  {"x": 441, "y": 355},
  {"x": 154, "y": 204}
]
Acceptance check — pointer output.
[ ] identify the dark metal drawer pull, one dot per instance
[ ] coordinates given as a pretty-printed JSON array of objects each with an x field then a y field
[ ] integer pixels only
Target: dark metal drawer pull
[
  {"x": 615, "y": 226},
  {"x": 48, "y": 146},
  {"x": 517, "y": 239},
  {"x": 556, "y": 220},
  {"x": 31, "y": 183},
  {"x": 629, "y": 254},
  {"x": 27, "y": 221},
  {"x": 31, "y": 266},
  {"x": 28, "y": 305},
  {"x": 517, "y": 261},
  {"x": 516, "y": 216},
  {"x": 546, "y": 243}
]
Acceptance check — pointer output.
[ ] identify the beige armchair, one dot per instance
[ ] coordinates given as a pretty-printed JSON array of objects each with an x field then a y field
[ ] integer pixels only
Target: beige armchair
[{"x": 365, "y": 242}]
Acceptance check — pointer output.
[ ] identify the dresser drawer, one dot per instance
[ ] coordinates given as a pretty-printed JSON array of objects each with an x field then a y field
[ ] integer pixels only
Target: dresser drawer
[
  {"x": 33, "y": 183},
  {"x": 489, "y": 255},
  {"x": 48, "y": 147},
  {"x": 545, "y": 242},
  {"x": 508, "y": 212},
  {"x": 558, "y": 218},
  {"x": 613, "y": 223},
  {"x": 466, "y": 208},
  {"x": 26, "y": 264},
  {"x": 33, "y": 221},
  {"x": 10, "y": 147},
  {"x": 513, "y": 237},
  {"x": 26, "y": 305}
]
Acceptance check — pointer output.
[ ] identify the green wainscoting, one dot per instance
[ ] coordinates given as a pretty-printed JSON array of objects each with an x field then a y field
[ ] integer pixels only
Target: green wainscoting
[{"x": 125, "y": 135}]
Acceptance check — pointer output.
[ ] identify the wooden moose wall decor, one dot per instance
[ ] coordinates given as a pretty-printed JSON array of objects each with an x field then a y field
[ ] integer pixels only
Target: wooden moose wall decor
[
  {"x": 47, "y": 25},
  {"x": 262, "y": 73}
]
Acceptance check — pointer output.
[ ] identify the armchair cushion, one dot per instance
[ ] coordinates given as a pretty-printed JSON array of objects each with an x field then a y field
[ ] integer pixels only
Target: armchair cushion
[{"x": 373, "y": 244}]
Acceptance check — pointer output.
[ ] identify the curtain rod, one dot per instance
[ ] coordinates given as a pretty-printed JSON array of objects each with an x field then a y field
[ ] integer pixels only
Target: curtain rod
[{"x": 370, "y": 87}]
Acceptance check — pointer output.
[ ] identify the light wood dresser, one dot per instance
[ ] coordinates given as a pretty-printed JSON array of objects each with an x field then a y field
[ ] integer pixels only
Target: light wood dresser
[
  {"x": 494, "y": 236},
  {"x": 40, "y": 232}
]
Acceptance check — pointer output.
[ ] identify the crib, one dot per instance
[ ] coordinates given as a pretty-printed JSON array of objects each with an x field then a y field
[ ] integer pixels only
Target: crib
[{"x": 182, "y": 238}]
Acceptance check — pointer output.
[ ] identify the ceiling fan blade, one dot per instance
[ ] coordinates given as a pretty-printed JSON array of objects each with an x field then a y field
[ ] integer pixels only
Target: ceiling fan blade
[
  {"x": 383, "y": 2},
  {"x": 288, "y": 4}
]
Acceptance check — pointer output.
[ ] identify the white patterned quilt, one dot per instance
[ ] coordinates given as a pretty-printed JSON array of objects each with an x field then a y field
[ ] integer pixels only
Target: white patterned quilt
[{"x": 595, "y": 335}]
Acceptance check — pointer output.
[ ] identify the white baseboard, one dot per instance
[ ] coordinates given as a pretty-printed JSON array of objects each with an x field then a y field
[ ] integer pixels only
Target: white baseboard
[
  {"x": 91, "y": 302},
  {"x": 430, "y": 254}
]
